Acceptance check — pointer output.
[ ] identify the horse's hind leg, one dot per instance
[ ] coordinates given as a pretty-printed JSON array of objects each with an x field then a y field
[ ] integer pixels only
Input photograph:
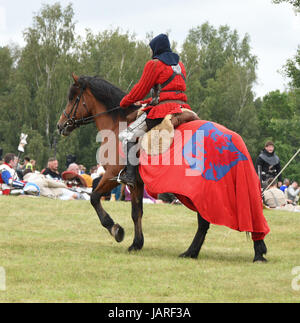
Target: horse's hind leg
[
  {"x": 199, "y": 238},
  {"x": 137, "y": 213},
  {"x": 260, "y": 249}
]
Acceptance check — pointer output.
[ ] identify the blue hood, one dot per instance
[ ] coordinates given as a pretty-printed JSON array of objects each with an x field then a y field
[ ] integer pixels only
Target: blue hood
[{"x": 161, "y": 48}]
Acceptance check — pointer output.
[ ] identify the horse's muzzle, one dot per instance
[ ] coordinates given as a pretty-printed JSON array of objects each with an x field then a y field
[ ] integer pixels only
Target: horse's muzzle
[{"x": 64, "y": 129}]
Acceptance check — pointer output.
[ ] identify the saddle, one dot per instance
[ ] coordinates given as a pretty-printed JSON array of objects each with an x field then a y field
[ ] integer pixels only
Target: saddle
[{"x": 159, "y": 139}]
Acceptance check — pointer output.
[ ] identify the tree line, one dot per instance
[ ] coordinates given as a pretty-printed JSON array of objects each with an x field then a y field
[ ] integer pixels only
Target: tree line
[{"x": 221, "y": 74}]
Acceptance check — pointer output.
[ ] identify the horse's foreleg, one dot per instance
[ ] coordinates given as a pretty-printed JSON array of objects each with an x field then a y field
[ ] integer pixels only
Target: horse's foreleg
[
  {"x": 113, "y": 228},
  {"x": 137, "y": 213},
  {"x": 199, "y": 238}
]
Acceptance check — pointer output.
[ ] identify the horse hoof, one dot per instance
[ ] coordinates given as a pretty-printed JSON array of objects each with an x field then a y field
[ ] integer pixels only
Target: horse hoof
[
  {"x": 260, "y": 259},
  {"x": 188, "y": 254},
  {"x": 118, "y": 232},
  {"x": 135, "y": 247}
]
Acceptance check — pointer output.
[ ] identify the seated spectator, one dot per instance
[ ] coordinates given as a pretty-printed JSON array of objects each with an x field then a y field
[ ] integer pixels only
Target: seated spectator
[
  {"x": 73, "y": 168},
  {"x": 77, "y": 180},
  {"x": 52, "y": 169},
  {"x": 88, "y": 179},
  {"x": 9, "y": 180},
  {"x": 286, "y": 184},
  {"x": 275, "y": 198},
  {"x": 52, "y": 188},
  {"x": 93, "y": 172},
  {"x": 293, "y": 192},
  {"x": 33, "y": 163},
  {"x": 27, "y": 164},
  {"x": 82, "y": 169},
  {"x": 79, "y": 183},
  {"x": 116, "y": 193},
  {"x": 100, "y": 170}
]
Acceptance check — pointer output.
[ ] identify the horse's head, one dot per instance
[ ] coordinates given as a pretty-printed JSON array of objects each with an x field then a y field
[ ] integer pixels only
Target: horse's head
[{"x": 77, "y": 111}]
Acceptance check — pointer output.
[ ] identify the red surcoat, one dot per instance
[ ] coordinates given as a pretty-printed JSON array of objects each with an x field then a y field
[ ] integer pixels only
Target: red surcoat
[{"x": 157, "y": 72}]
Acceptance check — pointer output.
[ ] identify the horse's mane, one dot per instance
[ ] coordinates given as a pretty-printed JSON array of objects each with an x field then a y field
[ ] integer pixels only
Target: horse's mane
[{"x": 106, "y": 93}]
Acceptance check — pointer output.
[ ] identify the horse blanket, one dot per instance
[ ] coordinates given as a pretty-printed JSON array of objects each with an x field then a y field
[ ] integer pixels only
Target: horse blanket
[{"x": 209, "y": 169}]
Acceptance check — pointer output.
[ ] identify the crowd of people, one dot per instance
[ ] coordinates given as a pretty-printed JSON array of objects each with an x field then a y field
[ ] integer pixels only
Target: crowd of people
[
  {"x": 277, "y": 193},
  {"x": 74, "y": 183},
  {"x": 77, "y": 183}
]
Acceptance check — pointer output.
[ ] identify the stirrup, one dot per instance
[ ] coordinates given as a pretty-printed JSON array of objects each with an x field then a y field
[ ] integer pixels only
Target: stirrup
[
  {"x": 120, "y": 181},
  {"x": 118, "y": 178}
]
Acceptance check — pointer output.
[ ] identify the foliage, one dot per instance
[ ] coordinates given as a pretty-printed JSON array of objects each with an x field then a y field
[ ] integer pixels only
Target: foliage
[
  {"x": 294, "y": 3},
  {"x": 221, "y": 73},
  {"x": 220, "y": 78}
]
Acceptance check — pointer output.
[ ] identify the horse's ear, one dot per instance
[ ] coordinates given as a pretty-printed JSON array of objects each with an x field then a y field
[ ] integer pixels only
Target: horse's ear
[{"x": 75, "y": 78}]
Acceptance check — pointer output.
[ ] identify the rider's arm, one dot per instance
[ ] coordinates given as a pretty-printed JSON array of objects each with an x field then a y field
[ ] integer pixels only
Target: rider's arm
[{"x": 143, "y": 87}]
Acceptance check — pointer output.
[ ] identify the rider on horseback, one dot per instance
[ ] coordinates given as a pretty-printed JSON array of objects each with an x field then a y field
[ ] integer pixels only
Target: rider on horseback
[{"x": 164, "y": 76}]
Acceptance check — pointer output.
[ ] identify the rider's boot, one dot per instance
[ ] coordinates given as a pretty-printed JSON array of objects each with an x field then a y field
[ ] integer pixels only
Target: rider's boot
[{"x": 128, "y": 175}]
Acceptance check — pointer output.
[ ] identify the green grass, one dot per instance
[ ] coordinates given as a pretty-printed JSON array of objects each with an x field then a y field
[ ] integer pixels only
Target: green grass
[{"x": 57, "y": 251}]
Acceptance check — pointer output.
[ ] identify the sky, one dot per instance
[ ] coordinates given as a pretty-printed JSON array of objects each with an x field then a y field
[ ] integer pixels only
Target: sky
[{"x": 273, "y": 29}]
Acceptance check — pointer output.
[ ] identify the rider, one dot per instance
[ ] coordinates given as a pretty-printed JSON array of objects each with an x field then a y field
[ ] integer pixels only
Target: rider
[{"x": 165, "y": 77}]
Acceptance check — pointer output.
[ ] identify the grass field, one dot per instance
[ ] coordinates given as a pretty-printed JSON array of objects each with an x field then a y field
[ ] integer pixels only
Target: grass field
[{"x": 57, "y": 251}]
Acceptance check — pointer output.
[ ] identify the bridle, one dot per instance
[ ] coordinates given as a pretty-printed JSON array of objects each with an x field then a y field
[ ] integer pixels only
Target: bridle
[{"x": 71, "y": 116}]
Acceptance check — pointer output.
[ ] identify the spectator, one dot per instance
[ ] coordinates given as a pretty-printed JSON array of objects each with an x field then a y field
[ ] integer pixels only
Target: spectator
[
  {"x": 51, "y": 188},
  {"x": 93, "y": 172},
  {"x": 268, "y": 164},
  {"x": 73, "y": 168},
  {"x": 82, "y": 169},
  {"x": 27, "y": 164},
  {"x": 100, "y": 170},
  {"x": 293, "y": 192},
  {"x": 286, "y": 184},
  {"x": 33, "y": 163},
  {"x": 116, "y": 193},
  {"x": 9, "y": 179},
  {"x": 52, "y": 169},
  {"x": 275, "y": 198}
]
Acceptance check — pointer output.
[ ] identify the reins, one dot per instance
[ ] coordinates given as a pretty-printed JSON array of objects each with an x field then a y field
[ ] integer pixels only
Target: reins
[{"x": 71, "y": 121}]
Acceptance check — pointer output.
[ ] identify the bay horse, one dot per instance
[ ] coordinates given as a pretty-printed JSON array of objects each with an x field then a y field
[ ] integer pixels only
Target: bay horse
[{"x": 93, "y": 99}]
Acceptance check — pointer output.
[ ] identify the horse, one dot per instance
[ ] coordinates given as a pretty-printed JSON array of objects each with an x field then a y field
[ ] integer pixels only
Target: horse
[{"x": 93, "y": 99}]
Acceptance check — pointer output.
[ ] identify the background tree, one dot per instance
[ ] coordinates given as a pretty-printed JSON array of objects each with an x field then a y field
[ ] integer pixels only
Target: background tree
[
  {"x": 42, "y": 76},
  {"x": 294, "y": 3},
  {"x": 279, "y": 121},
  {"x": 221, "y": 72}
]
